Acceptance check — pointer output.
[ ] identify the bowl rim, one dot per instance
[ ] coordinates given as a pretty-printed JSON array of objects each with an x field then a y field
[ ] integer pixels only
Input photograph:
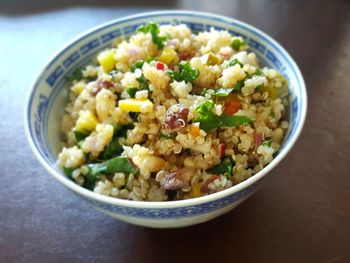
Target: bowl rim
[{"x": 178, "y": 203}]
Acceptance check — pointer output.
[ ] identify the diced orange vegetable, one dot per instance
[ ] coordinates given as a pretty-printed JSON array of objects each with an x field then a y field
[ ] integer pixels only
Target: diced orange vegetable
[
  {"x": 196, "y": 190},
  {"x": 231, "y": 107},
  {"x": 195, "y": 130},
  {"x": 222, "y": 148}
]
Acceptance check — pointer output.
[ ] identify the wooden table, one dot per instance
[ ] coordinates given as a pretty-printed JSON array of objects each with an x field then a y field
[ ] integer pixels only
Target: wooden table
[{"x": 302, "y": 212}]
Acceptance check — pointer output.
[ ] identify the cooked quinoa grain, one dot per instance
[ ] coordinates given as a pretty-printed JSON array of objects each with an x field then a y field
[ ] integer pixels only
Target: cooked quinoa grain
[{"x": 170, "y": 115}]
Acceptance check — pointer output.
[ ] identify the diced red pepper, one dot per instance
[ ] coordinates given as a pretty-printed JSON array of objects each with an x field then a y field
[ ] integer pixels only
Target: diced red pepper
[
  {"x": 222, "y": 149},
  {"x": 160, "y": 66},
  {"x": 108, "y": 84},
  {"x": 231, "y": 107},
  {"x": 258, "y": 139}
]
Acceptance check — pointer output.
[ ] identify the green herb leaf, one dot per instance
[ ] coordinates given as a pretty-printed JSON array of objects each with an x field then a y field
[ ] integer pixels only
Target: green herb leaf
[
  {"x": 137, "y": 65},
  {"x": 222, "y": 92},
  {"x": 123, "y": 130},
  {"x": 267, "y": 143},
  {"x": 144, "y": 83},
  {"x": 204, "y": 92},
  {"x": 258, "y": 72},
  {"x": 238, "y": 43},
  {"x": 225, "y": 167},
  {"x": 131, "y": 92},
  {"x": 234, "y": 62},
  {"x": 134, "y": 115},
  {"x": 76, "y": 75},
  {"x": 112, "y": 166},
  {"x": 114, "y": 147},
  {"x": 68, "y": 171},
  {"x": 239, "y": 85},
  {"x": 233, "y": 120},
  {"x": 149, "y": 59},
  {"x": 208, "y": 120},
  {"x": 153, "y": 29},
  {"x": 80, "y": 136},
  {"x": 186, "y": 73},
  {"x": 170, "y": 135}
]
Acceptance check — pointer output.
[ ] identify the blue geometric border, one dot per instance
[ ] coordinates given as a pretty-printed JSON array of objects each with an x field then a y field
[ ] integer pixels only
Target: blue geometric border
[
  {"x": 38, "y": 114},
  {"x": 180, "y": 212}
]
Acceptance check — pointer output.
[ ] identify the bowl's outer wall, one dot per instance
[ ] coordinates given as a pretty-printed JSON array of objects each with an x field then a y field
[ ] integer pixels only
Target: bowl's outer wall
[{"x": 48, "y": 97}]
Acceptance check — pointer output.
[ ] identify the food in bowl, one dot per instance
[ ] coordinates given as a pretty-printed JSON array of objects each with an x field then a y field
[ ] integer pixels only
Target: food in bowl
[{"x": 171, "y": 115}]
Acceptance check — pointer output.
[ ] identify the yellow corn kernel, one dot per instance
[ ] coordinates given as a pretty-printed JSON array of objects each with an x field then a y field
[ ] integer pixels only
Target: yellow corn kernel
[
  {"x": 271, "y": 90},
  {"x": 196, "y": 190},
  {"x": 136, "y": 105},
  {"x": 153, "y": 163},
  {"x": 78, "y": 87},
  {"x": 169, "y": 56},
  {"x": 213, "y": 59},
  {"x": 107, "y": 60},
  {"x": 87, "y": 121}
]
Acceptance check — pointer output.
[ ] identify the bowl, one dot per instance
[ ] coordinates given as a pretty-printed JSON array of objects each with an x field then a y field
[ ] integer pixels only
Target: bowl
[{"x": 47, "y": 97}]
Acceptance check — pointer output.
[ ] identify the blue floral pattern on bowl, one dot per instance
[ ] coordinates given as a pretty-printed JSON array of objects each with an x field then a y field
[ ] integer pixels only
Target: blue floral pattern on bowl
[{"x": 48, "y": 87}]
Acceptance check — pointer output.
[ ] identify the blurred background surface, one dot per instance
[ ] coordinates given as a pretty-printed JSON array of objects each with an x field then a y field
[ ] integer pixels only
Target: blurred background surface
[{"x": 301, "y": 214}]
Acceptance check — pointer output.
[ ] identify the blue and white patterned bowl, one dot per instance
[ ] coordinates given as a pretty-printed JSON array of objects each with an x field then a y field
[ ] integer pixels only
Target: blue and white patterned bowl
[{"x": 48, "y": 95}]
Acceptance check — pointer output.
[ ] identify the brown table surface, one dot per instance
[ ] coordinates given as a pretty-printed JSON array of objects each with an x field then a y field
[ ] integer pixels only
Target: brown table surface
[{"x": 302, "y": 212}]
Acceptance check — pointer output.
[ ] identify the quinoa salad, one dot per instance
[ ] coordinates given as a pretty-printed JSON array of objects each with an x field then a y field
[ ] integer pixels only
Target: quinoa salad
[{"x": 170, "y": 115}]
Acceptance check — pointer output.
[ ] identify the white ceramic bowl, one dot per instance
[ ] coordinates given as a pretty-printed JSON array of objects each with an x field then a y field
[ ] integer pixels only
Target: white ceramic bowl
[{"x": 47, "y": 98}]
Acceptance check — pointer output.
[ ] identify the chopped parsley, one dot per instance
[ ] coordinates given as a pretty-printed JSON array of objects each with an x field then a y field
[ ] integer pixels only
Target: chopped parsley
[
  {"x": 114, "y": 148},
  {"x": 204, "y": 92},
  {"x": 134, "y": 115},
  {"x": 80, "y": 136},
  {"x": 78, "y": 75},
  {"x": 225, "y": 167},
  {"x": 68, "y": 171},
  {"x": 208, "y": 120},
  {"x": 267, "y": 143},
  {"x": 153, "y": 29},
  {"x": 131, "y": 92},
  {"x": 136, "y": 65},
  {"x": 238, "y": 43},
  {"x": 144, "y": 83},
  {"x": 110, "y": 167},
  {"x": 234, "y": 62},
  {"x": 258, "y": 72},
  {"x": 186, "y": 73},
  {"x": 170, "y": 135},
  {"x": 222, "y": 92}
]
